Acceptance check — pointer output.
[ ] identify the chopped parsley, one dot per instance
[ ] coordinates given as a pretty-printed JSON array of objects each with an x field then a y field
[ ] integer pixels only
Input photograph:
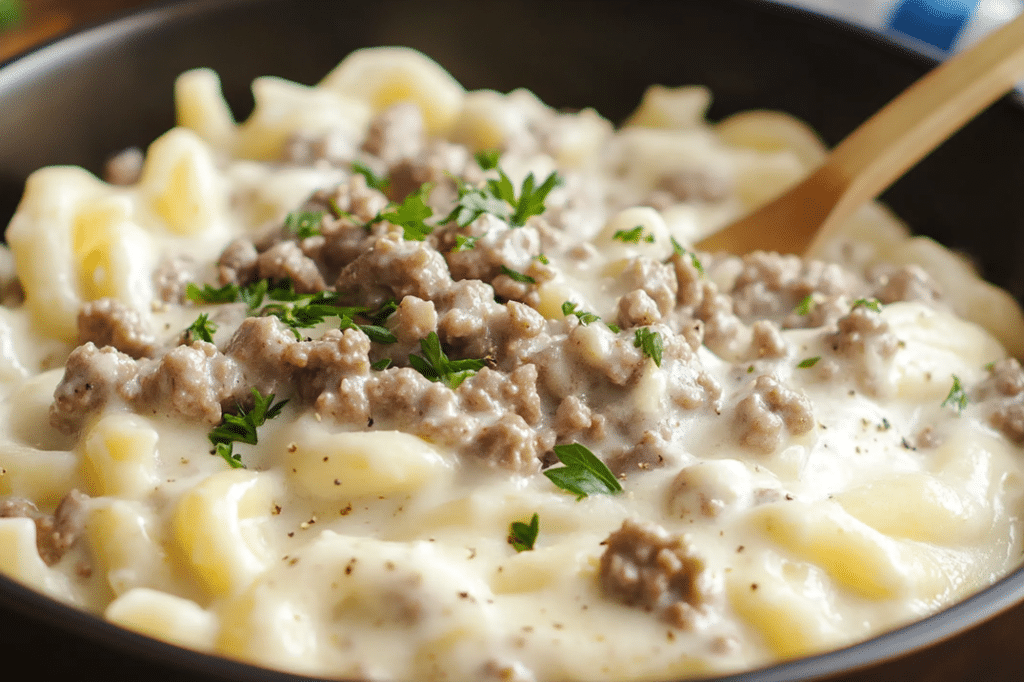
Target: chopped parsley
[
  {"x": 498, "y": 198},
  {"x": 202, "y": 329},
  {"x": 809, "y": 362},
  {"x": 304, "y": 224},
  {"x": 517, "y": 276},
  {"x": 583, "y": 474},
  {"x": 522, "y": 536},
  {"x": 488, "y": 158},
  {"x": 633, "y": 236},
  {"x": 650, "y": 343},
  {"x": 410, "y": 214},
  {"x": 297, "y": 311},
  {"x": 957, "y": 396},
  {"x": 543, "y": 259},
  {"x": 229, "y": 293},
  {"x": 381, "y": 364},
  {"x": 804, "y": 307},
  {"x": 679, "y": 250},
  {"x": 241, "y": 428},
  {"x": 569, "y": 308},
  {"x": 872, "y": 304},
  {"x": 436, "y": 366},
  {"x": 464, "y": 243},
  {"x": 381, "y": 183}
]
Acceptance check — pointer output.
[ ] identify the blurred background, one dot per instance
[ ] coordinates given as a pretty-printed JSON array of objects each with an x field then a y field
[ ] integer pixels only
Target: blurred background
[{"x": 938, "y": 27}]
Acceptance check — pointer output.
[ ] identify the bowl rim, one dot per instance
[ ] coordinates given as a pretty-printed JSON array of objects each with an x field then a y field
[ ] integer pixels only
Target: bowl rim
[{"x": 999, "y": 597}]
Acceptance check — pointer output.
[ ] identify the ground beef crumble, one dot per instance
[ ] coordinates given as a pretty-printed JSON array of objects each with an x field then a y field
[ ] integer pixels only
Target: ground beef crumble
[{"x": 645, "y": 566}]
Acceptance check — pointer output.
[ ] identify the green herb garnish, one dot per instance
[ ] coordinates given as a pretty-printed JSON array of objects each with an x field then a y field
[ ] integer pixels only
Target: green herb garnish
[
  {"x": 498, "y": 198},
  {"x": 241, "y": 428},
  {"x": 633, "y": 236},
  {"x": 583, "y": 474},
  {"x": 809, "y": 362},
  {"x": 869, "y": 303},
  {"x": 436, "y": 366},
  {"x": 304, "y": 224},
  {"x": 381, "y": 364},
  {"x": 569, "y": 308},
  {"x": 517, "y": 276},
  {"x": 377, "y": 182},
  {"x": 681, "y": 251},
  {"x": 464, "y": 243},
  {"x": 957, "y": 396},
  {"x": 488, "y": 158},
  {"x": 522, "y": 536},
  {"x": 202, "y": 329},
  {"x": 804, "y": 306},
  {"x": 650, "y": 343},
  {"x": 410, "y": 214}
]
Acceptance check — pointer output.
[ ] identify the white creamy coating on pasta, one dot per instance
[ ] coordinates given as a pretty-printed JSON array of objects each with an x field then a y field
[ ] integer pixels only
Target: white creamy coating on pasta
[{"x": 362, "y": 551}]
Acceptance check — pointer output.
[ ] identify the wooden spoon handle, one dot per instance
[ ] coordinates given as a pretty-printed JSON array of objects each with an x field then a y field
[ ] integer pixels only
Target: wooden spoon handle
[{"x": 884, "y": 147}]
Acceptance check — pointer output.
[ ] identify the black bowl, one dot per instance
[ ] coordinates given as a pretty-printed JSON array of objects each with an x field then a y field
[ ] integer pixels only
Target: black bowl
[{"x": 103, "y": 89}]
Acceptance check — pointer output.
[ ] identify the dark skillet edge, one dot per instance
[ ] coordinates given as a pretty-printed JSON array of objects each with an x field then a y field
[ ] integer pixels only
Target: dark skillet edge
[{"x": 887, "y": 647}]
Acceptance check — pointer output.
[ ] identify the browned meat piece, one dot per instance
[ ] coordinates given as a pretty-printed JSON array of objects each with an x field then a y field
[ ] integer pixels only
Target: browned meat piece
[
  {"x": 436, "y": 164},
  {"x": 195, "y": 382},
  {"x": 92, "y": 377},
  {"x": 865, "y": 342},
  {"x": 56, "y": 533},
  {"x": 652, "y": 452},
  {"x": 172, "y": 276},
  {"x": 657, "y": 280},
  {"x": 767, "y": 341},
  {"x": 395, "y": 268},
  {"x": 645, "y": 566},
  {"x": 396, "y": 133},
  {"x": 696, "y": 185},
  {"x": 497, "y": 392},
  {"x": 908, "y": 283},
  {"x": 125, "y": 167},
  {"x": 637, "y": 309},
  {"x": 108, "y": 322},
  {"x": 1008, "y": 376},
  {"x": 508, "y": 443},
  {"x": 237, "y": 263},
  {"x": 286, "y": 261},
  {"x": 770, "y": 408},
  {"x": 1009, "y": 418}
]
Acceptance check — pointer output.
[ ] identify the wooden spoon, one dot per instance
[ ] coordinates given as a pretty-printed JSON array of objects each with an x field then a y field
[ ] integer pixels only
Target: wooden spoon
[{"x": 882, "y": 148}]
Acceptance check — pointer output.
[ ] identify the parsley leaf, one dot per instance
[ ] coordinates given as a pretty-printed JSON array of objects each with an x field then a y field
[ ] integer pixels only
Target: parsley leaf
[
  {"x": 488, "y": 158},
  {"x": 583, "y": 474},
  {"x": 411, "y": 214},
  {"x": 498, "y": 197},
  {"x": 436, "y": 366},
  {"x": 650, "y": 343},
  {"x": 809, "y": 362},
  {"x": 304, "y": 224},
  {"x": 517, "y": 276},
  {"x": 569, "y": 308},
  {"x": 869, "y": 303},
  {"x": 377, "y": 182},
  {"x": 464, "y": 243},
  {"x": 543, "y": 259},
  {"x": 381, "y": 364},
  {"x": 804, "y": 307},
  {"x": 225, "y": 294},
  {"x": 633, "y": 236},
  {"x": 241, "y": 428},
  {"x": 202, "y": 329},
  {"x": 681, "y": 251},
  {"x": 957, "y": 396},
  {"x": 522, "y": 536}
]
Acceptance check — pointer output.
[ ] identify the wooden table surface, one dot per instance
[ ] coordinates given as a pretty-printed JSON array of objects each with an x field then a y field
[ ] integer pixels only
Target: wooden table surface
[{"x": 993, "y": 652}]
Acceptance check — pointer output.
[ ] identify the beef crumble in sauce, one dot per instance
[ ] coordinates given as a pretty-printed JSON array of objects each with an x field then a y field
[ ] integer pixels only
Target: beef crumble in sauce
[{"x": 398, "y": 381}]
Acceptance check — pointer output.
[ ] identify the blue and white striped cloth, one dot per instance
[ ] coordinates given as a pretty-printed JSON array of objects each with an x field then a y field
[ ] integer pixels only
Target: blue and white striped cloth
[{"x": 937, "y": 27}]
